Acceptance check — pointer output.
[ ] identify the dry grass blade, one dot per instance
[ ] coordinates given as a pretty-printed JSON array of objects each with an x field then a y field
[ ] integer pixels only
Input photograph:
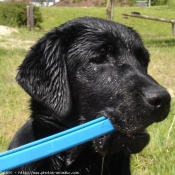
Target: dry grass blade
[{"x": 169, "y": 131}]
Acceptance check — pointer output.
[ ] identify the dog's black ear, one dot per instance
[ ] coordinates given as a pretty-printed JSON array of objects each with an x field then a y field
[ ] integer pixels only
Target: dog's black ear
[{"x": 43, "y": 73}]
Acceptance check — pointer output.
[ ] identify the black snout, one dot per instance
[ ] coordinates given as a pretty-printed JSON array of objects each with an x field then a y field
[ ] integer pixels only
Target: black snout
[{"x": 159, "y": 99}]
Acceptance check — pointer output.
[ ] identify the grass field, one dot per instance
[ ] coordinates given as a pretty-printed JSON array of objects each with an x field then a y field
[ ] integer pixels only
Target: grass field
[{"x": 156, "y": 159}]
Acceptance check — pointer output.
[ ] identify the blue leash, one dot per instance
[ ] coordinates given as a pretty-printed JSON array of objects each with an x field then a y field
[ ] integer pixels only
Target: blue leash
[{"x": 54, "y": 144}]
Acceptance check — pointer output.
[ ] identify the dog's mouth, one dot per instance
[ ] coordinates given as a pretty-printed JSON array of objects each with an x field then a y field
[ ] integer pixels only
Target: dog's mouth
[{"x": 117, "y": 141}]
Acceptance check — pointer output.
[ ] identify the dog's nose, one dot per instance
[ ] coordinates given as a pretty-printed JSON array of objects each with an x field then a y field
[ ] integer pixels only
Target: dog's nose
[
  {"x": 158, "y": 98},
  {"x": 160, "y": 101}
]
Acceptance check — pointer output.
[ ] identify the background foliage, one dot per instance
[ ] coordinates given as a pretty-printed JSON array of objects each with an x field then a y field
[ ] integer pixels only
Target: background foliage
[
  {"x": 159, "y": 2},
  {"x": 14, "y": 14}
]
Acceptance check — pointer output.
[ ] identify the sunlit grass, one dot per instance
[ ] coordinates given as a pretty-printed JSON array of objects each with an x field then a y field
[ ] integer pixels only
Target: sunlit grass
[{"x": 13, "y": 100}]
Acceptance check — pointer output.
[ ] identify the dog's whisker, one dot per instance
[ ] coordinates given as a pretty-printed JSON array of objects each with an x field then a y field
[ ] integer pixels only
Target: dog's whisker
[{"x": 102, "y": 165}]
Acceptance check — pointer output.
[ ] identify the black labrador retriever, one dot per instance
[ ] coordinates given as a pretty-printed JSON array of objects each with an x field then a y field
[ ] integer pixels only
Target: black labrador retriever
[{"x": 79, "y": 71}]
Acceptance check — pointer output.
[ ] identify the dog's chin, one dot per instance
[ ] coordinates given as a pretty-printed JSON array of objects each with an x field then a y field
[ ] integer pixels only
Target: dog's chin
[{"x": 117, "y": 142}]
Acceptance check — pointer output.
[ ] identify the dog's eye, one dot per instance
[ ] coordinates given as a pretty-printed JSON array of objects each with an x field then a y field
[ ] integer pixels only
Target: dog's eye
[
  {"x": 98, "y": 60},
  {"x": 102, "y": 51}
]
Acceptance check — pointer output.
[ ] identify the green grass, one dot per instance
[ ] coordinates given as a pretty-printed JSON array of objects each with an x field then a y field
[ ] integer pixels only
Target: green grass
[
  {"x": 158, "y": 158},
  {"x": 11, "y": 114},
  {"x": 59, "y": 15}
]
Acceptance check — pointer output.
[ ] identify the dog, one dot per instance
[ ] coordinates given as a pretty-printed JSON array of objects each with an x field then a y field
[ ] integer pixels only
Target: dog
[{"x": 87, "y": 68}]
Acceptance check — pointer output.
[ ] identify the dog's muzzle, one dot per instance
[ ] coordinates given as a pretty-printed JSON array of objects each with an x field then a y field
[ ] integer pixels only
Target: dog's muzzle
[{"x": 116, "y": 142}]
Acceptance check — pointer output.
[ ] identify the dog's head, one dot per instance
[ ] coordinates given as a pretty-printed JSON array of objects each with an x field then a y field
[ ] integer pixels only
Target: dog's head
[{"x": 89, "y": 67}]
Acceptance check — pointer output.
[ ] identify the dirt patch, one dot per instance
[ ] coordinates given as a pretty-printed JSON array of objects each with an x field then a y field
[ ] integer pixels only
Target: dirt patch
[
  {"x": 4, "y": 30},
  {"x": 14, "y": 43},
  {"x": 7, "y": 42}
]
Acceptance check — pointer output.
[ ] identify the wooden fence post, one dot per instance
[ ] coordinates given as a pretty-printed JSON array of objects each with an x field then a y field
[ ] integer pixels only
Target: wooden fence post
[
  {"x": 30, "y": 17},
  {"x": 110, "y": 9}
]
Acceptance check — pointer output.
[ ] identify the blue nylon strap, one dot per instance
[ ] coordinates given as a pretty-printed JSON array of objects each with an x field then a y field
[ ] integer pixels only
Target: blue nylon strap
[{"x": 54, "y": 144}]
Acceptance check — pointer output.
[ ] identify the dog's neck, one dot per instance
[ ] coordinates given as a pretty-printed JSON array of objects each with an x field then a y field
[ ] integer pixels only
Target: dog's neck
[{"x": 47, "y": 123}]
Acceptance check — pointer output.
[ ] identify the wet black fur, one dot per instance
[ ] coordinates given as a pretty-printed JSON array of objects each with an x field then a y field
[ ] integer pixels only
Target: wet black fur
[{"x": 81, "y": 70}]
